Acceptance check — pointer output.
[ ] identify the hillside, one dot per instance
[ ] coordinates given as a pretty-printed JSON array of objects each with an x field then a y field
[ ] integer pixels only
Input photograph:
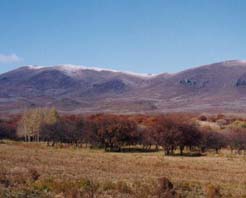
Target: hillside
[{"x": 218, "y": 87}]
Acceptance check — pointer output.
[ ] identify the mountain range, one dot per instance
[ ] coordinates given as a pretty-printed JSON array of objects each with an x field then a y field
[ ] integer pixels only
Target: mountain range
[{"x": 218, "y": 87}]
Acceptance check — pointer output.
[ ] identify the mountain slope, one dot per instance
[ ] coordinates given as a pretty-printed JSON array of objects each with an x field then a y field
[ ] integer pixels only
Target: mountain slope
[{"x": 216, "y": 87}]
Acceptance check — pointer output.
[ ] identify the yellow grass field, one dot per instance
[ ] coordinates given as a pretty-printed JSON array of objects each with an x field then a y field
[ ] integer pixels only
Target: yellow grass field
[{"x": 35, "y": 170}]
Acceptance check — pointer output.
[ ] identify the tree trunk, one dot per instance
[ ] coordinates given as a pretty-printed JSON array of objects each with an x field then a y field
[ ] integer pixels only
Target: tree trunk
[
  {"x": 167, "y": 151},
  {"x": 181, "y": 150}
]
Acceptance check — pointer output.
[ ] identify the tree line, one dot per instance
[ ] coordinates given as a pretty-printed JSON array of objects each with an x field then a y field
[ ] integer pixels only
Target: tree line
[{"x": 170, "y": 132}]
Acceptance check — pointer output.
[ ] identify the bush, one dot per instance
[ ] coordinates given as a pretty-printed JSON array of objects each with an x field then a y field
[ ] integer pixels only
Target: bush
[
  {"x": 34, "y": 174},
  {"x": 202, "y": 118},
  {"x": 213, "y": 191},
  {"x": 123, "y": 187},
  {"x": 165, "y": 188}
]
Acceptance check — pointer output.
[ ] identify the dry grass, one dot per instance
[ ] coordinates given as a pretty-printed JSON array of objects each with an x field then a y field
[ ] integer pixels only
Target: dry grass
[{"x": 32, "y": 170}]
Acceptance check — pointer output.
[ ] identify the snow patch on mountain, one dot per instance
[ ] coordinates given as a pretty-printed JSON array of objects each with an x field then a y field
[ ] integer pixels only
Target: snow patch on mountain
[
  {"x": 72, "y": 69},
  {"x": 35, "y": 67}
]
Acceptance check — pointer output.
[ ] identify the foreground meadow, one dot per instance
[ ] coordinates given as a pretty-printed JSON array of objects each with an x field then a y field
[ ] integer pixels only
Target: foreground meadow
[{"x": 35, "y": 170}]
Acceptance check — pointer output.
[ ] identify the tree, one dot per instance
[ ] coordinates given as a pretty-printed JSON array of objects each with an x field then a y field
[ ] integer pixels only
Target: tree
[
  {"x": 188, "y": 135},
  {"x": 166, "y": 133},
  {"x": 173, "y": 131},
  {"x": 32, "y": 120},
  {"x": 212, "y": 140},
  {"x": 7, "y": 130},
  {"x": 112, "y": 132},
  {"x": 237, "y": 139}
]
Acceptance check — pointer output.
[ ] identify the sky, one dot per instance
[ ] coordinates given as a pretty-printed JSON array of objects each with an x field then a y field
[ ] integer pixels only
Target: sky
[{"x": 129, "y": 35}]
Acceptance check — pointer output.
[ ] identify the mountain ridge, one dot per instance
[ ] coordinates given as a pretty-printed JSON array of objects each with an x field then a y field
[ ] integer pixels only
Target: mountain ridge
[{"x": 219, "y": 86}]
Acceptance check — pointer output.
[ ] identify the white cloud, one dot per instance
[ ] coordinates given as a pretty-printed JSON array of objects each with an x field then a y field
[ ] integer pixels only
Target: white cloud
[{"x": 9, "y": 58}]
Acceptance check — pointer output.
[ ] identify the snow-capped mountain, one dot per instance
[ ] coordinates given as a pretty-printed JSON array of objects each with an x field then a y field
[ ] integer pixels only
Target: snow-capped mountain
[{"x": 216, "y": 87}]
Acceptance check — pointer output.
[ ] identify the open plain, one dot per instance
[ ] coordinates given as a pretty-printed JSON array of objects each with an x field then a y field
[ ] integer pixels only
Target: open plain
[{"x": 36, "y": 170}]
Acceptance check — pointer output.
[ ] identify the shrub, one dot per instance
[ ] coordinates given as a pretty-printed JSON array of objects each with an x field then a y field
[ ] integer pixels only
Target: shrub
[
  {"x": 213, "y": 191},
  {"x": 108, "y": 185},
  {"x": 89, "y": 187},
  {"x": 34, "y": 174},
  {"x": 165, "y": 188},
  {"x": 123, "y": 187},
  {"x": 202, "y": 118}
]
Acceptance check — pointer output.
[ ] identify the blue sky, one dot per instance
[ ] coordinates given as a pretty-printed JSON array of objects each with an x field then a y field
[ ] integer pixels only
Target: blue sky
[{"x": 135, "y": 35}]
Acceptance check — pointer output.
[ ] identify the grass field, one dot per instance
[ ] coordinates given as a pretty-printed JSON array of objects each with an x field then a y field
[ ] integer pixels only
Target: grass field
[{"x": 35, "y": 170}]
